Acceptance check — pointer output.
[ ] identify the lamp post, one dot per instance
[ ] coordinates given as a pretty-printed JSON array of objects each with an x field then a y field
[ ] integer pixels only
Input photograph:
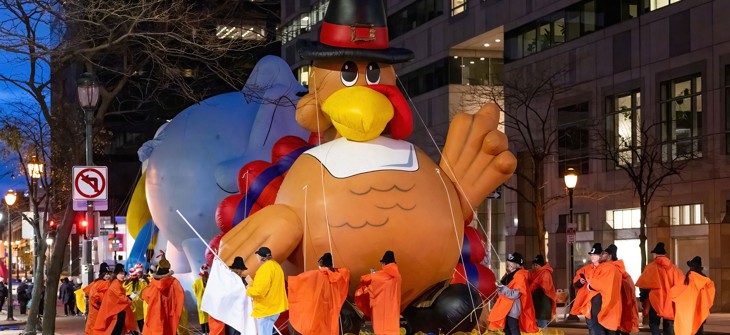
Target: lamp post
[
  {"x": 571, "y": 179},
  {"x": 88, "y": 93},
  {"x": 10, "y": 198}
]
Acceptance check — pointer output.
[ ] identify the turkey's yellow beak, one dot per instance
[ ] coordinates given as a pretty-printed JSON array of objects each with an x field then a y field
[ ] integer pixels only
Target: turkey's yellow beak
[{"x": 358, "y": 113}]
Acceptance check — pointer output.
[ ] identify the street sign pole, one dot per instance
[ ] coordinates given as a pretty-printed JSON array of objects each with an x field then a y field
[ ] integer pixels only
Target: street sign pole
[{"x": 89, "y": 113}]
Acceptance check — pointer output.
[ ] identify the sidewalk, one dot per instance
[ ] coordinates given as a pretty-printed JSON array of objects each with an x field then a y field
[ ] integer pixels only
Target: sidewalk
[
  {"x": 717, "y": 323},
  {"x": 12, "y": 327}
]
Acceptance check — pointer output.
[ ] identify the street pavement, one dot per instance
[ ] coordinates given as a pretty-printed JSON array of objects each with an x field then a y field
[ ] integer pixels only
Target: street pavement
[{"x": 717, "y": 323}]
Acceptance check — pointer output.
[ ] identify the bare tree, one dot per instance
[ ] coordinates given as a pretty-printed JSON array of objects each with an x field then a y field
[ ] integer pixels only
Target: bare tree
[
  {"x": 646, "y": 159},
  {"x": 527, "y": 97},
  {"x": 26, "y": 138},
  {"x": 146, "y": 54}
]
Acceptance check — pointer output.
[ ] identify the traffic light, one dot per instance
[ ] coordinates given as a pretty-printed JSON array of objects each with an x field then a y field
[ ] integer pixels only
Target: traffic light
[
  {"x": 83, "y": 226},
  {"x": 52, "y": 225}
]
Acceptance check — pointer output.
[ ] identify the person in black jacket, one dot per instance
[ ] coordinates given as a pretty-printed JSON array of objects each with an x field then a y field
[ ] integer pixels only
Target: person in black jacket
[
  {"x": 67, "y": 296},
  {"x": 3, "y": 294},
  {"x": 23, "y": 296}
]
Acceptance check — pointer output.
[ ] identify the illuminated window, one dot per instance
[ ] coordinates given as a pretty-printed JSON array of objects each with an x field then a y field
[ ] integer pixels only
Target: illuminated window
[
  {"x": 457, "y": 7},
  {"x": 241, "y": 32},
  {"x": 624, "y": 122},
  {"x": 624, "y": 218},
  {"x": 303, "y": 75},
  {"x": 687, "y": 214},
  {"x": 656, "y": 4},
  {"x": 681, "y": 108}
]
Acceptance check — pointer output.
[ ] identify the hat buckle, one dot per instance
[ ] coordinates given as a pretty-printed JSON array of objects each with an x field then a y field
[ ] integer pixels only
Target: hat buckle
[{"x": 357, "y": 30}]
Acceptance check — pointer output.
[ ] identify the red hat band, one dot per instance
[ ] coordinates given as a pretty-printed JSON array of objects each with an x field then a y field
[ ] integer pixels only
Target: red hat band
[{"x": 356, "y": 36}]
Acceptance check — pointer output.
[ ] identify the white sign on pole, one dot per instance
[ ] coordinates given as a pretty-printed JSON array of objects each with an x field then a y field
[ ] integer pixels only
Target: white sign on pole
[
  {"x": 570, "y": 232},
  {"x": 90, "y": 183}
]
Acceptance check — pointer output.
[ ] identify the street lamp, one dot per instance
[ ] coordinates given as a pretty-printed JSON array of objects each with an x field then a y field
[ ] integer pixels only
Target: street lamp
[
  {"x": 571, "y": 179},
  {"x": 88, "y": 92},
  {"x": 10, "y": 198},
  {"x": 35, "y": 168}
]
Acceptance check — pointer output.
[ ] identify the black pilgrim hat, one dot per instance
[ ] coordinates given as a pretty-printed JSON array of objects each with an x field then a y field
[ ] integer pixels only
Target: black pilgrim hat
[
  {"x": 695, "y": 263},
  {"x": 238, "y": 264},
  {"x": 326, "y": 260},
  {"x": 596, "y": 250},
  {"x": 539, "y": 260},
  {"x": 659, "y": 249},
  {"x": 354, "y": 29},
  {"x": 119, "y": 268},
  {"x": 516, "y": 258},
  {"x": 388, "y": 257}
]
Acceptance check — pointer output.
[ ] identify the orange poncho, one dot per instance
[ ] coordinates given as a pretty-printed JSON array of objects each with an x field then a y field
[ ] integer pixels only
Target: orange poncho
[
  {"x": 498, "y": 315},
  {"x": 581, "y": 294},
  {"x": 542, "y": 278},
  {"x": 379, "y": 298},
  {"x": 693, "y": 303},
  {"x": 164, "y": 298},
  {"x": 659, "y": 277},
  {"x": 216, "y": 327},
  {"x": 115, "y": 301},
  {"x": 606, "y": 280},
  {"x": 315, "y": 300},
  {"x": 95, "y": 291},
  {"x": 630, "y": 312}
]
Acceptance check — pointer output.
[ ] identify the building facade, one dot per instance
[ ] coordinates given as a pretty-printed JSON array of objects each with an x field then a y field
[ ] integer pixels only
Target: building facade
[{"x": 635, "y": 72}]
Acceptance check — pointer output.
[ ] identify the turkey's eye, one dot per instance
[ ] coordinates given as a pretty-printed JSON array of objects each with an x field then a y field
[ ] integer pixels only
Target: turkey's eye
[
  {"x": 372, "y": 75},
  {"x": 349, "y": 73}
]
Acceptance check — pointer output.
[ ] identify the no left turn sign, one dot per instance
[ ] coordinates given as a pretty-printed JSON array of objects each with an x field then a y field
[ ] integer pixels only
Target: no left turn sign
[{"x": 90, "y": 183}]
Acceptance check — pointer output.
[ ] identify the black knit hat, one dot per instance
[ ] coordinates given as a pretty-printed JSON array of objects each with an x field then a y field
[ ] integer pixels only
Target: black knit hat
[
  {"x": 659, "y": 249},
  {"x": 264, "y": 252},
  {"x": 119, "y": 268},
  {"x": 326, "y": 260},
  {"x": 238, "y": 264},
  {"x": 596, "y": 250},
  {"x": 516, "y": 258},
  {"x": 695, "y": 263},
  {"x": 354, "y": 29},
  {"x": 388, "y": 257},
  {"x": 612, "y": 250},
  {"x": 103, "y": 268},
  {"x": 539, "y": 260}
]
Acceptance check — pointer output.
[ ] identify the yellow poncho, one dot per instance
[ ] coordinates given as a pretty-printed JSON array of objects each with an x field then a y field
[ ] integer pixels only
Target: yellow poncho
[
  {"x": 138, "y": 305},
  {"x": 198, "y": 289}
]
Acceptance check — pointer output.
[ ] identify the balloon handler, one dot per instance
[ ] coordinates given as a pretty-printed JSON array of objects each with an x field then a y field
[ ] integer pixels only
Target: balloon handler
[{"x": 366, "y": 189}]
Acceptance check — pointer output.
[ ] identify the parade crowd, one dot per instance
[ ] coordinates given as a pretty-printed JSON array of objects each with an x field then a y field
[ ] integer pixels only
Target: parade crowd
[{"x": 678, "y": 303}]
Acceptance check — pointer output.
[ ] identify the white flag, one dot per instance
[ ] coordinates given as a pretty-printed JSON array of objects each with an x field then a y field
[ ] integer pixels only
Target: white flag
[{"x": 225, "y": 299}]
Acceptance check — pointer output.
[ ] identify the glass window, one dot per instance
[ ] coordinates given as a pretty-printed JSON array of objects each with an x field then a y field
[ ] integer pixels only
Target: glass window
[
  {"x": 573, "y": 25},
  {"x": 475, "y": 70},
  {"x": 559, "y": 30},
  {"x": 254, "y": 33},
  {"x": 413, "y": 16},
  {"x": 624, "y": 123},
  {"x": 656, "y": 4},
  {"x": 574, "y": 21},
  {"x": 427, "y": 78},
  {"x": 544, "y": 39},
  {"x": 681, "y": 109},
  {"x": 573, "y": 139},
  {"x": 302, "y": 75},
  {"x": 582, "y": 222},
  {"x": 529, "y": 42},
  {"x": 687, "y": 214},
  {"x": 626, "y": 218},
  {"x": 589, "y": 17},
  {"x": 457, "y": 7}
]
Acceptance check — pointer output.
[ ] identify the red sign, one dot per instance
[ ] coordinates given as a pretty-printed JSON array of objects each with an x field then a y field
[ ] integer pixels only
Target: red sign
[{"x": 90, "y": 183}]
